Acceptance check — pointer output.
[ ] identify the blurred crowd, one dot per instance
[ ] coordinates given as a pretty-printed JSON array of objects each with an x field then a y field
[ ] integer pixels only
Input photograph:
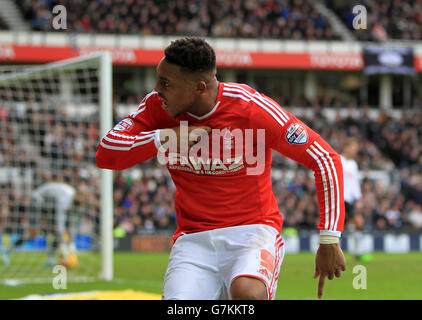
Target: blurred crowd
[
  {"x": 384, "y": 144},
  {"x": 38, "y": 137},
  {"x": 144, "y": 203},
  {"x": 397, "y": 19},
  {"x": 3, "y": 24},
  {"x": 281, "y": 19},
  {"x": 290, "y": 19},
  {"x": 39, "y": 144},
  {"x": 287, "y": 19}
]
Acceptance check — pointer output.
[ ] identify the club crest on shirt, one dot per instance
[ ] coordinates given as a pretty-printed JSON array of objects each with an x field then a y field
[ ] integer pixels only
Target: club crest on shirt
[
  {"x": 125, "y": 124},
  {"x": 228, "y": 139},
  {"x": 296, "y": 134}
]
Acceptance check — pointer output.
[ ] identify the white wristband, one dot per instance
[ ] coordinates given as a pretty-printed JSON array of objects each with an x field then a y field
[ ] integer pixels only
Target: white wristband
[{"x": 328, "y": 239}]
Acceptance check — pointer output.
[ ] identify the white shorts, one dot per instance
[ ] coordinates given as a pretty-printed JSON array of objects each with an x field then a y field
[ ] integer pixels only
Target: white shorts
[{"x": 203, "y": 265}]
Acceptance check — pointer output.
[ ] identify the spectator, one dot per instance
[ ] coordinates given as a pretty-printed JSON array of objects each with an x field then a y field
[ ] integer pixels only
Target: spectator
[
  {"x": 3, "y": 24},
  {"x": 398, "y": 19},
  {"x": 251, "y": 19},
  {"x": 415, "y": 215}
]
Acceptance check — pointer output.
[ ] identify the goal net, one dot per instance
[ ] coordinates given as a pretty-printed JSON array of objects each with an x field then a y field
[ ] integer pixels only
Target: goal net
[{"x": 55, "y": 204}]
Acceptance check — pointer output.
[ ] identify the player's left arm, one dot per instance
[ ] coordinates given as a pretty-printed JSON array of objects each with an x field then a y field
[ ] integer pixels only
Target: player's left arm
[{"x": 295, "y": 140}]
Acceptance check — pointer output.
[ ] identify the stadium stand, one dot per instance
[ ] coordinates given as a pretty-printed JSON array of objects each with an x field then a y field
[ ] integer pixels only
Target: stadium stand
[
  {"x": 286, "y": 19},
  {"x": 144, "y": 195},
  {"x": 267, "y": 19},
  {"x": 399, "y": 19}
]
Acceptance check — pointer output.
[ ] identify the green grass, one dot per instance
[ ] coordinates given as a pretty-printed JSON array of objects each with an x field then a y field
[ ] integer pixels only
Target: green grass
[
  {"x": 388, "y": 277},
  {"x": 24, "y": 263}
]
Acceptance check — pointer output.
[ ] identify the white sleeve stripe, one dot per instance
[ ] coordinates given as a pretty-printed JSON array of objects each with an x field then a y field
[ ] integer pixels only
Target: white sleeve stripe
[
  {"x": 236, "y": 96},
  {"x": 337, "y": 185},
  {"x": 285, "y": 116},
  {"x": 126, "y": 148},
  {"x": 257, "y": 96},
  {"x": 143, "y": 142},
  {"x": 324, "y": 182},
  {"x": 241, "y": 96},
  {"x": 117, "y": 141},
  {"x": 336, "y": 181},
  {"x": 330, "y": 179},
  {"x": 136, "y": 113},
  {"x": 121, "y": 135},
  {"x": 113, "y": 147},
  {"x": 149, "y": 95},
  {"x": 144, "y": 135},
  {"x": 142, "y": 103},
  {"x": 271, "y": 113},
  {"x": 128, "y": 142},
  {"x": 267, "y": 101}
]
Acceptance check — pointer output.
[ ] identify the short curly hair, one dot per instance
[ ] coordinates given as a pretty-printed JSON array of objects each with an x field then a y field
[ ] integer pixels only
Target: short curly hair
[{"x": 192, "y": 54}]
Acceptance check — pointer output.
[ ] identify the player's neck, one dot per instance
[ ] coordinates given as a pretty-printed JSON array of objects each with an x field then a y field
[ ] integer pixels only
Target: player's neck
[{"x": 206, "y": 104}]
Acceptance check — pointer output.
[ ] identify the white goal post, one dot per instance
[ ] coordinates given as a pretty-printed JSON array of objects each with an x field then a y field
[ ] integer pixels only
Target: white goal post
[{"x": 51, "y": 192}]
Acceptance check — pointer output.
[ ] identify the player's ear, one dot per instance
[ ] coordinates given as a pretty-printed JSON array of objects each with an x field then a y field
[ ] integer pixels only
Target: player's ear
[{"x": 200, "y": 86}]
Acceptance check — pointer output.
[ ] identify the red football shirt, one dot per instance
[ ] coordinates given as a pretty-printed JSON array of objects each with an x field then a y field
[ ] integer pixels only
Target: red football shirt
[{"x": 220, "y": 191}]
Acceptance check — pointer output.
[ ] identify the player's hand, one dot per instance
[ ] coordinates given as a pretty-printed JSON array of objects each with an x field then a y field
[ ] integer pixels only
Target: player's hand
[
  {"x": 329, "y": 262},
  {"x": 183, "y": 137}
]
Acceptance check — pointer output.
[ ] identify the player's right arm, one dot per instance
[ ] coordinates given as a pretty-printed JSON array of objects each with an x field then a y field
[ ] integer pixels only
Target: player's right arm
[
  {"x": 132, "y": 140},
  {"x": 138, "y": 137}
]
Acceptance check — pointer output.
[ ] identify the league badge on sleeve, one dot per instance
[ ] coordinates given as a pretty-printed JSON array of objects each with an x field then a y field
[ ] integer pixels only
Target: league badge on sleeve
[
  {"x": 124, "y": 125},
  {"x": 296, "y": 134}
]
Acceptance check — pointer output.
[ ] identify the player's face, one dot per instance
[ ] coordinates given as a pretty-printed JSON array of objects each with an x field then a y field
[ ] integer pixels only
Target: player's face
[
  {"x": 353, "y": 149},
  {"x": 174, "y": 88}
]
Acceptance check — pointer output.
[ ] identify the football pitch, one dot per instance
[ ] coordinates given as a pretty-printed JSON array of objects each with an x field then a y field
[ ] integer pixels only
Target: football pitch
[{"x": 388, "y": 276}]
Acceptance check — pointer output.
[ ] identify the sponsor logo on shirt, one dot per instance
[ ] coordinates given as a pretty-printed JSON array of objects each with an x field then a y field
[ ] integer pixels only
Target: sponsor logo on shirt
[
  {"x": 219, "y": 152},
  {"x": 296, "y": 134},
  {"x": 208, "y": 166}
]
